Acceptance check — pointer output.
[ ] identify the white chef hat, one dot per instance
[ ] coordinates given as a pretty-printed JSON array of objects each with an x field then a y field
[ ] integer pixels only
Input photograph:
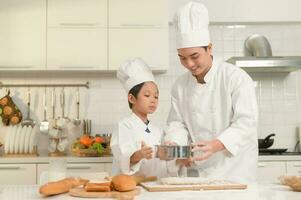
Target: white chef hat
[
  {"x": 133, "y": 72},
  {"x": 191, "y": 24}
]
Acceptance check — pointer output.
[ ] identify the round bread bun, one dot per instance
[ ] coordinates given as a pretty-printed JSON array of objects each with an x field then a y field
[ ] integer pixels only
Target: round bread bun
[{"x": 123, "y": 183}]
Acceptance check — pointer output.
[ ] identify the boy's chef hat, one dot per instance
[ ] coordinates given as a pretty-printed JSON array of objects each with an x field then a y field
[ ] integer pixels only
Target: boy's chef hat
[
  {"x": 191, "y": 24},
  {"x": 133, "y": 72}
]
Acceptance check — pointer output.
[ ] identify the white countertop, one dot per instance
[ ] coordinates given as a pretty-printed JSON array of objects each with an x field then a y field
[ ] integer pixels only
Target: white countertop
[
  {"x": 45, "y": 159},
  {"x": 279, "y": 158},
  {"x": 73, "y": 159},
  {"x": 254, "y": 192}
]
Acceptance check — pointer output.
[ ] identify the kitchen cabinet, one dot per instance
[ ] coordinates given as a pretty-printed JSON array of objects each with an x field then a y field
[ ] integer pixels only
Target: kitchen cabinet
[
  {"x": 145, "y": 36},
  {"x": 269, "y": 171},
  {"x": 149, "y": 44},
  {"x": 138, "y": 13},
  {"x": 18, "y": 174},
  {"x": 23, "y": 170},
  {"x": 75, "y": 168},
  {"x": 82, "y": 34},
  {"x": 23, "y": 34},
  {"x": 249, "y": 11},
  {"x": 77, "y": 35},
  {"x": 77, "y": 49},
  {"x": 108, "y": 168},
  {"x": 77, "y": 13},
  {"x": 294, "y": 168}
]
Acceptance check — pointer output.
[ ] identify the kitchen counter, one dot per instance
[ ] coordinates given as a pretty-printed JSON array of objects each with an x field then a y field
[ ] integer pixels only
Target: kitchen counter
[
  {"x": 73, "y": 159},
  {"x": 279, "y": 157},
  {"x": 45, "y": 159},
  {"x": 254, "y": 192}
]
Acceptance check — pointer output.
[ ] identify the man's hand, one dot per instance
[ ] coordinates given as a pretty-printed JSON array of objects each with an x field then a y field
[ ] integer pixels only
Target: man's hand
[
  {"x": 207, "y": 148},
  {"x": 184, "y": 162}
]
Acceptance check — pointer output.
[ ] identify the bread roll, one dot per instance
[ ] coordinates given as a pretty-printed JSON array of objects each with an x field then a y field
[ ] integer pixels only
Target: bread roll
[
  {"x": 98, "y": 187},
  {"x": 123, "y": 183},
  {"x": 62, "y": 186}
]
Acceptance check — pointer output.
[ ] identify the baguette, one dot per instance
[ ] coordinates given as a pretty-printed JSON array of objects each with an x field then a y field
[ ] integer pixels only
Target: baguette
[{"x": 61, "y": 186}]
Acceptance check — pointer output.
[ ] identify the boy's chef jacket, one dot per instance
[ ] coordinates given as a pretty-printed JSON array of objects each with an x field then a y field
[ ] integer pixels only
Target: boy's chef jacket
[
  {"x": 224, "y": 108},
  {"x": 126, "y": 140}
]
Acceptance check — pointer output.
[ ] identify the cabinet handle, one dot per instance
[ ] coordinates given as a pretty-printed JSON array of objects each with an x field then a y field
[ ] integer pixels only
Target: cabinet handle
[
  {"x": 77, "y": 67},
  {"x": 10, "y": 168},
  {"x": 261, "y": 165},
  {"x": 10, "y": 67},
  {"x": 78, "y": 167},
  {"x": 140, "y": 25},
  {"x": 78, "y": 24}
]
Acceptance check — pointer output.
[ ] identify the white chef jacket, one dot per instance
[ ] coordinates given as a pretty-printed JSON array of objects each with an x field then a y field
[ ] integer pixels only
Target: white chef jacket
[
  {"x": 126, "y": 140},
  {"x": 223, "y": 108}
]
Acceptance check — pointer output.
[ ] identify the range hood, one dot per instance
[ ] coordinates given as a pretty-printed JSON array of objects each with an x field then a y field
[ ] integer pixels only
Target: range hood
[{"x": 259, "y": 57}]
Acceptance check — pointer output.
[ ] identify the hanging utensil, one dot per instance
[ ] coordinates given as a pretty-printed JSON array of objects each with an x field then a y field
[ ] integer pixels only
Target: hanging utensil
[
  {"x": 53, "y": 103},
  {"x": 77, "y": 121},
  {"x": 61, "y": 122},
  {"x": 28, "y": 121},
  {"x": 44, "y": 125}
]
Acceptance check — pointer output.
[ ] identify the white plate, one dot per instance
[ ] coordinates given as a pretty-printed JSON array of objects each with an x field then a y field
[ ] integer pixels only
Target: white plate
[
  {"x": 27, "y": 138},
  {"x": 12, "y": 140},
  {"x": 22, "y": 139},
  {"x": 7, "y": 139},
  {"x": 32, "y": 139},
  {"x": 17, "y": 139}
]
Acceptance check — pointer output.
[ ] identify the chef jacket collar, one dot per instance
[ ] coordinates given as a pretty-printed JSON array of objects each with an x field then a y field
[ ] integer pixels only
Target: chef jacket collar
[
  {"x": 210, "y": 74},
  {"x": 141, "y": 123}
]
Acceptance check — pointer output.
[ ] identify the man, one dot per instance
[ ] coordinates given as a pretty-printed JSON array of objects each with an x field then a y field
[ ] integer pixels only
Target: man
[{"x": 213, "y": 105}]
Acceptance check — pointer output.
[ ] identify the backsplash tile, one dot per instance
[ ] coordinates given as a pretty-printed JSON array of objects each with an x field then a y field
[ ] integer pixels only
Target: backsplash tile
[{"x": 278, "y": 95}]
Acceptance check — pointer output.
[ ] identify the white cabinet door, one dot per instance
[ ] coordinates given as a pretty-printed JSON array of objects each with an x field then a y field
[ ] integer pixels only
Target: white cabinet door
[
  {"x": 253, "y": 11},
  {"x": 269, "y": 171},
  {"x": 77, "y": 35},
  {"x": 23, "y": 34},
  {"x": 108, "y": 168},
  {"x": 17, "y": 174},
  {"x": 293, "y": 168},
  {"x": 76, "y": 49},
  {"x": 149, "y": 44},
  {"x": 138, "y": 13},
  {"x": 77, "y": 13},
  {"x": 75, "y": 168}
]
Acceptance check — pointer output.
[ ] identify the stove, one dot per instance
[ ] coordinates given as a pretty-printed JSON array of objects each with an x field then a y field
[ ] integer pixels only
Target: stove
[
  {"x": 280, "y": 154},
  {"x": 277, "y": 152}
]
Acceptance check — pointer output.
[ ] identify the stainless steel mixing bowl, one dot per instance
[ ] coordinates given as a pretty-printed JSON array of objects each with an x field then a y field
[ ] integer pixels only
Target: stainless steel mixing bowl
[{"x": 170, "y": 152}]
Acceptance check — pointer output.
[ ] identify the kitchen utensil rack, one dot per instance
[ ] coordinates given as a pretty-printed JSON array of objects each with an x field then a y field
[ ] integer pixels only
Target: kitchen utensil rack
[{"x": 86, "y": 85}]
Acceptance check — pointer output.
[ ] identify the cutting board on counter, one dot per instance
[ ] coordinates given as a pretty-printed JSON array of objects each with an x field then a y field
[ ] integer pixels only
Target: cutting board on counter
[
  {"x": 80, "y": 192},
  {"x": 157, "y": 187}
]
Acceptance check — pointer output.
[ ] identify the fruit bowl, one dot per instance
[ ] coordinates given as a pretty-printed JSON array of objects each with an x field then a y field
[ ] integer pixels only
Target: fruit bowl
[
  {"x": 88, "y": 146},
  {"x": 85, "y": 152}
]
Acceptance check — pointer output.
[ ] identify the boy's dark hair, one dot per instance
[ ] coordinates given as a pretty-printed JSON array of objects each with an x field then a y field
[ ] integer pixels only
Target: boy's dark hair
[{"x": 135, "y": 91}]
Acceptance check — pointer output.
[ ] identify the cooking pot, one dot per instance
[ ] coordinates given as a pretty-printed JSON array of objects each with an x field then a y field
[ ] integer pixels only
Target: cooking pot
[
  {"x": 266, "y": 142},
  {"x": 169, "y": 152}
]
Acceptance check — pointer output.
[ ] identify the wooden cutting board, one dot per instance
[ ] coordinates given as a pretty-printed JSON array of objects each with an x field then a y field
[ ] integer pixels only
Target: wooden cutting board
[
  {"x": 80, "y": 192},
  {"x": 157, "y": 187}
]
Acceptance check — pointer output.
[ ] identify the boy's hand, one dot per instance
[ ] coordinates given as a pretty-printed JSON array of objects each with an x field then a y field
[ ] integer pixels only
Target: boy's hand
[{"x": 145, "y": 151}]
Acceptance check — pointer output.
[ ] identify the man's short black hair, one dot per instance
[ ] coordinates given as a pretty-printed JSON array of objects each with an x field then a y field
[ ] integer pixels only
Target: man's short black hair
[{"x": 205, "y": 47}]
